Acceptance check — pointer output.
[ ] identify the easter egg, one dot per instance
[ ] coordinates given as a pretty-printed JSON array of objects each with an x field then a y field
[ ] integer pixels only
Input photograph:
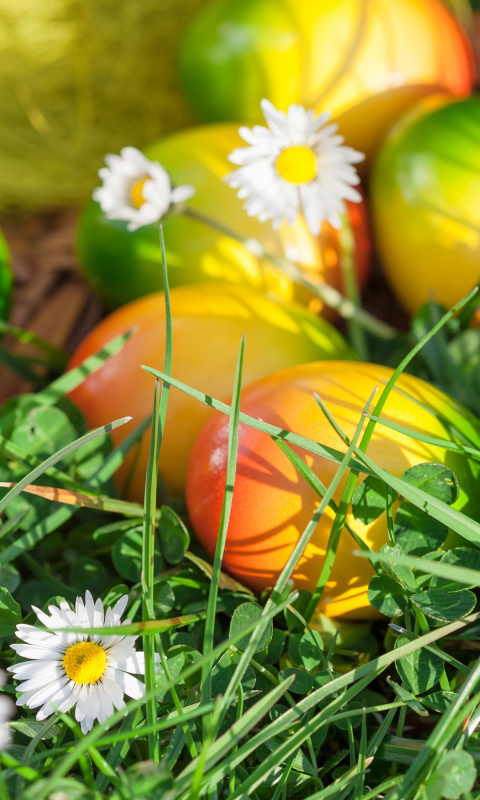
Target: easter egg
[
  {"x": 123, "y": 265},
  {"x": 425, "y": 193},
  {"x": 272, "y": 504},
  {"x": 6, "y": 279},
  {"x": 366, "y": 62},
  {"x": 208, "y": 323}
]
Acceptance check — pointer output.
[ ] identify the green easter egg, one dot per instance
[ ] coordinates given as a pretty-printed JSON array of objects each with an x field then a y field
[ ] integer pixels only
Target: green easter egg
[
  {"x": 365, "y": 62},
  {"x": 425, "y": 193}
]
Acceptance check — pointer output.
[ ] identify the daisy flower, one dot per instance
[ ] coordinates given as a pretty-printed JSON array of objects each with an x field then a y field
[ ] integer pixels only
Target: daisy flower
[
  {"x": 64, "y": 669},
  {"x": 296, "y": 164},
  {"x": 136, "y": 189},
  {"x": 6, "y": 711}
]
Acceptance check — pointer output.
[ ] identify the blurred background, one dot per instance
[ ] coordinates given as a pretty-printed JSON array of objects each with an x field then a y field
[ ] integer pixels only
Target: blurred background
[{"x": 81, "y": 78}]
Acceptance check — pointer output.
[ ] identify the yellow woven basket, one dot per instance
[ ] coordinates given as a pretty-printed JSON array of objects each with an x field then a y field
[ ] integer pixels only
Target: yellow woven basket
[{"x": 80, "y": 78}]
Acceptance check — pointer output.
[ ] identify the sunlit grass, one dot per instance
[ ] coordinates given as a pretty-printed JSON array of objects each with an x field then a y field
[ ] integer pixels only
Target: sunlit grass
[{"x": 359, "y": 712}]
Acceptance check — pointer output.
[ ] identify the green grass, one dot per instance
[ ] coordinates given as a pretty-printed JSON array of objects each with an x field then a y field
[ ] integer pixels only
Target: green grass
[{"x": 247, "y": 697}]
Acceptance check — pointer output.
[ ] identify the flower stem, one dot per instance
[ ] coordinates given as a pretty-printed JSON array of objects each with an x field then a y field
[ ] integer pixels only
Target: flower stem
[
  {"x": 350, "y": 284},
  {"x": 330, "y": 296}
]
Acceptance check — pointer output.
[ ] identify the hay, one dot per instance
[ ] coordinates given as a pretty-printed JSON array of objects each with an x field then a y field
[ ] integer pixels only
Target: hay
[{"x": 80, "y": 78}]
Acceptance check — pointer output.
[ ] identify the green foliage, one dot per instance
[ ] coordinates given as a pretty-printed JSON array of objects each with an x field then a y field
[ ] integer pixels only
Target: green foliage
[
  {"x": 174, "y": 537},
  {"x": 10, "y": 613},
  {"x": 369, "y": 500},
  {"x": 460, "y": 557},
  {"x": 246, "y": 697},
  {"x": 443, "y": 606},
  {"x": 421, "y": 670},
  {"x": 439, "y": 701},
  {"x": 310, "y": 650},
  {"x": 387, "y": 596},
  {"x": 9, "y": 577},
  {"x": 33, "y": 430},
  {"x": 127, "y": 555},
  {"x": 455, "y": 774},
  {"x": 224, "y": 670},
  {"x": 404, "y": 575},
  {"x": 245, "y": 615},
  {"x": 303, "y": 681},
  {"x": 417, "y": 533},
  {"x": 436, "y": 479},
  {"x": 408, "y": 698}
]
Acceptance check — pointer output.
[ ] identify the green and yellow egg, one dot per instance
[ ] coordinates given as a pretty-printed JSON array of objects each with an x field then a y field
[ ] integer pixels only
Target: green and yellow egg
[
  {"x": 366, "y": 62},
  {"x": 425, "y": 201}
]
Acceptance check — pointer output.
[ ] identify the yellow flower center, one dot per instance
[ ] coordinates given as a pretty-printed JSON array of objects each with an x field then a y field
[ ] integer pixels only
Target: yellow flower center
[
  {"x": 136, "y": 193},
  {"x": 297, "y": 164},
  {"x": 85, "y": 662}
]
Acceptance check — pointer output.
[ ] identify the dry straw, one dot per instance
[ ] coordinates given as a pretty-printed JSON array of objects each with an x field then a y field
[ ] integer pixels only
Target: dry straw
[{"x": 80, "y": 78}]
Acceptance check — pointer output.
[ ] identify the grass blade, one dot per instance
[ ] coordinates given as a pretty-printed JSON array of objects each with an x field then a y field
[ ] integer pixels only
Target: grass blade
[
  {"x": 149, "y": 525},
  {"x": 62, "y": 453},
  {"x": 284, "y": 576},
  {"x": 339, "y": 521},
  {"x": 434, "y": 746},
  {"x": 237, "y": 731},
  {"x": 74, "y": 377},
  {"x": 351, "y": 483},
  {"x": 70, "y": 759},
  {"x": 61, "y": 515},
  {"x": 147, "y": 577},
  {"x": 223, "y": 529},
  {"x": 330, "y": 453},
  {"x": 437, "y": 509},
  {"x": 368, "y": 671},
  {"x": 470, "y": 577},
  {"x": 58, "y": 357},
  {"x": 423, "y": 437}
]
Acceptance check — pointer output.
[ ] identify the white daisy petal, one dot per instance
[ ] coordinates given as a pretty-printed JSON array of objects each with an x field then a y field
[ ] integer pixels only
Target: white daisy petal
[
  {"x": 87, "y": 724},
  {"x": 89, "y": 671},
  {"x": 134, "y": 663},
  {"x": 130, "y": 685},
  {"x": 105, "y": 705},
  {"x": 114, "y": 692},
  {"x": 275, "y": 119},
  {"x": 92, "y": 703},
  {"x": 139, "y": 192},
  {"x": 7, "y": 710},
  {"x": 27, "y": 669},
  {"x": 119, "y": 607},
  {"x": 297, "y": 164},
  {"x": 48, "y": 692},
  {"x": 119, "y": 651},
  {"x": 98, "y": 615},
  {"x": 62, "y": 700},
  {"x": 39, "y": 680},
  {"x": 30, "y": 651},
  {"x": 69, "y": 699},
  {"x": 82, "y": 700},
  {"x": 182, "y": 193},
  {"x": 133, "y": 157}
]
